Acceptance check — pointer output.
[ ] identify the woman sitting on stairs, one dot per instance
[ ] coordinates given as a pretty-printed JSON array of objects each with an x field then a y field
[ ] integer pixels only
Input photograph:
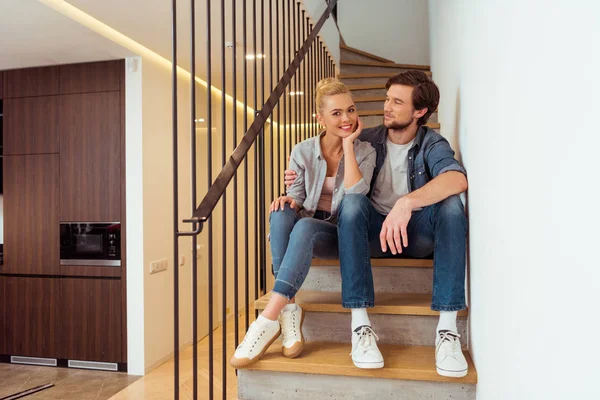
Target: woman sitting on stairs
[{"x": 303, "y": 223}]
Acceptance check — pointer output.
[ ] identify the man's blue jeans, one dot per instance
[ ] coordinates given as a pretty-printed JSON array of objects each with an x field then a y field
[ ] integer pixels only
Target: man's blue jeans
[
  {"x": 440, "y": 229},
  {"x": 294, "y": 241}
]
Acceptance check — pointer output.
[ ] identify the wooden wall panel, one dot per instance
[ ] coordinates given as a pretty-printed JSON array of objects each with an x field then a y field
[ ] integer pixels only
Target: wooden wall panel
[
  {"x": 31, "y": 82},
  {"x": 31, "y": 225},
  {"x": 1, "y": 85},
  {"x": 90, "y": 157},
  {"x": 91, "y": 317},
  {"x": 91, "y": 77},
  {"x": 3, "y": 282},
  {"x": 32, "y": 317},
  {"x": 31, "y": 125}
]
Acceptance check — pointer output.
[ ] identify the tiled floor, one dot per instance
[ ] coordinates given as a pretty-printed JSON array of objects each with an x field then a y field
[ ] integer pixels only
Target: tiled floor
[{"x": 69, "y": 383}]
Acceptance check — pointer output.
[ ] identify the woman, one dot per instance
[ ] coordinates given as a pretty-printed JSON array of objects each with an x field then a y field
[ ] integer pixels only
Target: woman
[{"x": 304, "y": 221}]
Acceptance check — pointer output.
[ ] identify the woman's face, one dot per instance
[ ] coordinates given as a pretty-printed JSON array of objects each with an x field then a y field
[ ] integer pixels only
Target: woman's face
[{"x": 339, "y": 115}]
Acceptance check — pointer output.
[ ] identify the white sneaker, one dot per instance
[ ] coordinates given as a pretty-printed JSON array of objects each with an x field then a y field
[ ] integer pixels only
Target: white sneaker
[
  {"x": 365, "y": 353},
  {"x": 261, "y": 334},
  {"x": 449, "y": 359},
  {"x": 291, "y": 330}
]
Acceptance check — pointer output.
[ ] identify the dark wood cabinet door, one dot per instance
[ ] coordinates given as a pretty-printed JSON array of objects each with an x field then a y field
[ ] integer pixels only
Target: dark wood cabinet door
[
  {"x": 31, "y": 82},
  {"x": 1, "y": 85},
  {"x": 31, "y": 125},
  {"x": 31, "y": 225},
  {"x": 3, "y": 280},
  {"x": 31, "y": 316},
  {"x": 90, "y": 157},
  {"x": 101, "y": 76},
  {"x": 91, "y": 319}
]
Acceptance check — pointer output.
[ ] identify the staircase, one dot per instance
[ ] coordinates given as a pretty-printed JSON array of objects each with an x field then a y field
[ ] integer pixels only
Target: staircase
[{"x": 402, "y": 317}]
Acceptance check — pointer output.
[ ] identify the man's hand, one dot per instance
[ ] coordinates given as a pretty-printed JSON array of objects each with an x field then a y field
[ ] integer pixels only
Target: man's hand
[
  {"x": 280, "y": 203},
  {"x": 289, "y": 177},
  {"x": 394, "y": 228}
]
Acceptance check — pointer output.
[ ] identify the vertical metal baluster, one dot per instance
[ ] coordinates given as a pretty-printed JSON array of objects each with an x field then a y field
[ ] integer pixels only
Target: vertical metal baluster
[
  {"x": 194, "y": 201},
  {"x": 285, "y": 129},
  {"x": 175, "y": 200},
  {"x": 235, "y": 177},
  {"x": 246, "y": 241},
  {"x": 272, "y": 153},
  {"x": 305, "y": 102},
  {"x": 311, "y": 87},
  {"x": 297, "y": 96},
  {"x": 223, "y": 209},
  {"x": 256, "y": 245},
  {"x": 290, "y": 58},
  {"x": 261, "y": 149},
  {"x": 297, "y": 75},
  {"x": 209, "y": 181},
  {"x": 279, "y": 172}
]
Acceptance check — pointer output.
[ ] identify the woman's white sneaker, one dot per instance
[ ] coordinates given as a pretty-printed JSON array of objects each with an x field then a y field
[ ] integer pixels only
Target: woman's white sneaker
[
  {"x": 261, "y": 334},
  {"x": 449, "y": 358},
  {"x": 365, "y": 353},
  {"x": 291, "y": 330}
]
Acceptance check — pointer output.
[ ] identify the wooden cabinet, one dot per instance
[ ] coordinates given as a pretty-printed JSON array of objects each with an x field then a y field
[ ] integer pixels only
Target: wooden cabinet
[
  {"x": 31, "y": 226},
  {"x": 90, "y": 157},
  {"x": 101, "y": 76},
  {"x": 31, "y": 82},
  {"x": 31, "y": 316},
  {"x": 31, "y": 125},
  {"x": 1, "y": 85},
  {"x": 91, "y": 319}
]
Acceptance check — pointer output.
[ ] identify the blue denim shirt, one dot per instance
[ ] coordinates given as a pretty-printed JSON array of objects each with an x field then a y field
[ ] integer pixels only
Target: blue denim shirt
[{"x": 430, "y": 155}]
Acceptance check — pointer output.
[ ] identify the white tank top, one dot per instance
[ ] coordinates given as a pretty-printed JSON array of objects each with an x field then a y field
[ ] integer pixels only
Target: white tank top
[{"x": 326, "y": 194}]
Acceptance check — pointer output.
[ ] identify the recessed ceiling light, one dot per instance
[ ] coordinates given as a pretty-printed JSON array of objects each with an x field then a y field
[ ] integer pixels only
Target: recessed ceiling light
[
  {"x": 314, "y": 115},
  {"x": 296, "y": 93},
  {"x": 200, "y": 120},
  {"x": 253, "y": 56}
]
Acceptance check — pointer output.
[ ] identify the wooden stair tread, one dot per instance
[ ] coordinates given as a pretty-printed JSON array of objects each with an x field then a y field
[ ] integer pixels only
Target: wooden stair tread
[
  {"x": 385, "y": 65},
  {"x": 383, "y": 262},
  {"x": 385, "y": 303},
  {"x": 371, "y": 75},
  {"x": 364, "y": 53},
  {"x": 416, "y": 363},
  {"x": 369, "y": 99},
  {"x": 367, "y": 86}
]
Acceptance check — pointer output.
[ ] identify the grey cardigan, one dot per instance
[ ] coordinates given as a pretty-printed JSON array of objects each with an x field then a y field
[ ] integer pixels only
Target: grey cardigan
[{"x": 310, "y": 165}]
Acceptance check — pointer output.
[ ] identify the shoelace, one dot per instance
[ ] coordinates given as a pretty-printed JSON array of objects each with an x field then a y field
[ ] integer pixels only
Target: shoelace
[
  {"x": 252, "y": 336},
  {"x": 452, "y": 339},
  {"x": 288, "y": 329},
  {"x": 367, "y": 340}
]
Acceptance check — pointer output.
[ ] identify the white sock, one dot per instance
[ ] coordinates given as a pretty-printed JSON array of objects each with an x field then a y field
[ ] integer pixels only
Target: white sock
[
  {"x": 360, "y": 318},
  {"x": 265, "y": 321},
  {"x": 447, "y": 321},
  {"x": 289, "y": 307}
]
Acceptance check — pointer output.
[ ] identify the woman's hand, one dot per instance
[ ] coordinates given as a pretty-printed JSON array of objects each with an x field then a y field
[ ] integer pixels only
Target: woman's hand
[
  {"x": 280, "y": 203},
  {"x": 349, "y": 140}
]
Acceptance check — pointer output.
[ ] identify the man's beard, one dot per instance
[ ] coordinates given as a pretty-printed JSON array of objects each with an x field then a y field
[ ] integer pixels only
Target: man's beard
[{"x": 397, "y": 126}]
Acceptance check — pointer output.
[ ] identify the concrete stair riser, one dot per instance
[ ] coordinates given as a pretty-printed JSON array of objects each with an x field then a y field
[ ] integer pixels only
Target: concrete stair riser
[
  {"x": 410, "y": 330},
  {"x": 266, "y": 385},
  {"x": 385, "y": 279},
  {"x": 366, "y": 69}
]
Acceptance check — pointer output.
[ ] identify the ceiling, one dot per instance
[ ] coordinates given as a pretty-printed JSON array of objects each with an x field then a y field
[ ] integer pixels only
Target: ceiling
[{"x": 31, "y": 34}]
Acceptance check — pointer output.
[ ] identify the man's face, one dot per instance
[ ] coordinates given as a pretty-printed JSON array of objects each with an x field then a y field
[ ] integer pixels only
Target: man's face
[{"x": 399, "y": 112}]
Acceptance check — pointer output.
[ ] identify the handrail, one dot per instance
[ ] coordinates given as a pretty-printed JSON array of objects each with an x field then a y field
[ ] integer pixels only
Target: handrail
[{"x": 211, "y": 199}]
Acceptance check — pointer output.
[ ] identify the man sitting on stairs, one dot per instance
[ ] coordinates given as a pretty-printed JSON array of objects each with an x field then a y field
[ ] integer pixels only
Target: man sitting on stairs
[{"x": 412, "y": 210}]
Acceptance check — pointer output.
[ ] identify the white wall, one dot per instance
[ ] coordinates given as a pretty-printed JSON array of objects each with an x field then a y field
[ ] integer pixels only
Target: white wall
[
  {"x": 520, "y": 83},
  {"x": 329, "y": 32},
  {"x": 394, "y": 29}
]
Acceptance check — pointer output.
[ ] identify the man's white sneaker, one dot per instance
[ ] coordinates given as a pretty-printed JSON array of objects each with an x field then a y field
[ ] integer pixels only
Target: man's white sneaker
[
  {"x": 449, "y": 359},
  {"x": 291, "y": 330},
  {"x": 261, "y": 334},
  {"x": 365, "y": 353}
]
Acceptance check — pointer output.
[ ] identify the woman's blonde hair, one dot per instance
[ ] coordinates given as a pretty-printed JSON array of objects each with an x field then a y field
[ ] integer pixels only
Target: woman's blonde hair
[{"x": 328, "y": 87}]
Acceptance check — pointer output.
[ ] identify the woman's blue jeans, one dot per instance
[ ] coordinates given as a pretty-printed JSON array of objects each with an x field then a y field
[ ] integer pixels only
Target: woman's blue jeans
[{"x": 294, "y": 242}]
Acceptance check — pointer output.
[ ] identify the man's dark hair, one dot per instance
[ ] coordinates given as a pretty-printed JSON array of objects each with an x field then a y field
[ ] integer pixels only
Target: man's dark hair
[{"x": 425, "y": 93}]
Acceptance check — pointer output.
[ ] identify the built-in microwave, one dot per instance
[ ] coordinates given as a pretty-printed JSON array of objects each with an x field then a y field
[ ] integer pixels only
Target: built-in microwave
[{"x": 90, "y": 243}]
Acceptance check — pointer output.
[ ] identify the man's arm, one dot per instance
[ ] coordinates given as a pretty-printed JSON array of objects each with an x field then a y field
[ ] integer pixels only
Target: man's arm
[{"x": 439, "y": 188}]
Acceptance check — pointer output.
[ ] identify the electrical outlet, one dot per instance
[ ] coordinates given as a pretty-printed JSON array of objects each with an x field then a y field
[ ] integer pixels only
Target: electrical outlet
[{"x": 158, "y": 266}]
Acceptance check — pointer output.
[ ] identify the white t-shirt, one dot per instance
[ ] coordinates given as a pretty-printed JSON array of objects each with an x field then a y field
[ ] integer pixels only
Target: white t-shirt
[{"x": 387, "y": 191}]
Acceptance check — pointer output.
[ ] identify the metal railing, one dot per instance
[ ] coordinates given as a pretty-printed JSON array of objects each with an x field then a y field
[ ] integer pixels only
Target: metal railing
[{"x": 305, "y": 61}]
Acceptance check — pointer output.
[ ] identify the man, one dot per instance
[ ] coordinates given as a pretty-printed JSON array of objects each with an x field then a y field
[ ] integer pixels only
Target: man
[{"x": 412, "y": 209}]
